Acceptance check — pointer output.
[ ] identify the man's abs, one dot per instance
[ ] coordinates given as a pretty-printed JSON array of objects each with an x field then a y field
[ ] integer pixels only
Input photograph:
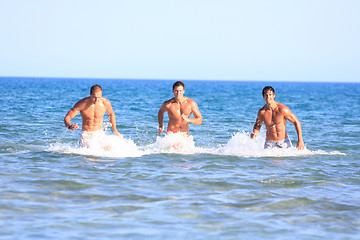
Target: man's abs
[
  {"x": 178, "y": 127},
  {"x": 91, "y": 125},
  {"x": 276, "y": 132}
]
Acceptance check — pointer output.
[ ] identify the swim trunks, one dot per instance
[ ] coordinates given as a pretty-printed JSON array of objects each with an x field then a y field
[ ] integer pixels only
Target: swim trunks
[
  {"x": 91, "y": 139},
  {"x": 173, "y": 131},
  {"x": 286, "y": 143}
]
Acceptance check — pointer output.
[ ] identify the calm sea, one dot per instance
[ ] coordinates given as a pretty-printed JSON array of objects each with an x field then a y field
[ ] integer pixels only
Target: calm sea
[{"x": 218, "y": 185}]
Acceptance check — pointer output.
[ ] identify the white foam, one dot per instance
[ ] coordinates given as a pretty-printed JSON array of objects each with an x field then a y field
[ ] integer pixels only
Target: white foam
[
  {"x": 112, "y": 146},
  {"x": 172, "y": 143},
  {"x": 240, "y": 145}
]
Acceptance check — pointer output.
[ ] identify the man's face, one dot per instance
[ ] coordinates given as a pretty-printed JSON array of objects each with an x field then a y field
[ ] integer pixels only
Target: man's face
[
  {"x": 96, "y": 96},
  {"x": 269, "y": 96},
  {"x": 178, "y": 91}
]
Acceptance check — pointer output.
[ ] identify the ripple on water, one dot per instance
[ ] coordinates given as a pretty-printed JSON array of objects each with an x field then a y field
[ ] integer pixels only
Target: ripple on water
[{"x": 287, "y": 183}]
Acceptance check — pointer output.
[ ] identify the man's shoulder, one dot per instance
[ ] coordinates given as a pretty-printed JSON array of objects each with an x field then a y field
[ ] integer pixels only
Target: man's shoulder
[
  {"x": 190, "y": 101},
  {"x": 262, "y": 109},
  {"x": 105, "y": 100},
  {"x": 83, "y": 101},
  {"x": 167, "y": 102},
  {"x": 282, "y": 107}
]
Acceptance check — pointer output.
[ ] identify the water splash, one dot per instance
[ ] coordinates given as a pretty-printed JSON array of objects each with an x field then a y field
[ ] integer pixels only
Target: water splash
[
  {"x": 240, "y": 145},
  {"x": 173, "y": 143},
  {"x": 112, "y": 146}
]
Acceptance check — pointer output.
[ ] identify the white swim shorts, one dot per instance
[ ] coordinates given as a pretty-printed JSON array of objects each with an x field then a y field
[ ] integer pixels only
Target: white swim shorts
[
  {"x": 92, "y": 139},
  {"x": 286, "y": 143}
]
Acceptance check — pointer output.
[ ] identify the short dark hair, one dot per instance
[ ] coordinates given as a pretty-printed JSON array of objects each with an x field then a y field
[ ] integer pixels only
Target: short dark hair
[
  {"x": 267, "y": 88},
  {"x": 178, "y": 83},
  {"x": 95, "y": 88}
]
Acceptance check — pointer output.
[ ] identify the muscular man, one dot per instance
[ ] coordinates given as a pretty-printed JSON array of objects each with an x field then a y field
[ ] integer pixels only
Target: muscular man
[
  {"x": 275, "y": 115},
  {"x": 179, "y": 110},
  {"x": 92, "y": 110}
]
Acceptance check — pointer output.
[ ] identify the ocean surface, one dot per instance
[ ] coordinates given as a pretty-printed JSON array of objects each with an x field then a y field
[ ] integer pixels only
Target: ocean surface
[{"x": 218, "y": 184}]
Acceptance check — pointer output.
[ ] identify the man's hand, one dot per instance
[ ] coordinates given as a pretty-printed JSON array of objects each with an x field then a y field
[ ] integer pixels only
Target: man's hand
[
  {"x": 117, "y": 133},
  {"x": 183, "y": 116},
  {"x": 253, "y": 135},
  {"x": 300, "y": 145},
  {"x": 161, "y": 129},
  {"x": 73, "y": 126}
]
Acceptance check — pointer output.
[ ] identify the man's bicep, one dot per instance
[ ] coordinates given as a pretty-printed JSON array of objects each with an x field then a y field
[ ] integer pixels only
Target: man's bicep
[
  {"x": 78, "y": 107},
  {"x": 109, "y": 109},
  {"x": 163, "y": 108},
  {"x": 197, "y": 113},
  {"x": 258, "y": 122},
  {"x": 259, "y": 118},
  {"x": 72, "y": 113},
  {"x": 195, "y": 110},
  {"x": 289, "y": 115}
]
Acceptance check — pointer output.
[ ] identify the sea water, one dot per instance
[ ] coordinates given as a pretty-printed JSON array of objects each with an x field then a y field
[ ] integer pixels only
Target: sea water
[{"x": 216, "y": 184}]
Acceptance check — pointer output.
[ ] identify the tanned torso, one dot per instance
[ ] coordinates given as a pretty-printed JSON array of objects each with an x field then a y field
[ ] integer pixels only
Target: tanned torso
[
  {"x": 179, "y": 110},
  {"x": 275, "y": 115},
  {"x": 175, "y": 110},
  {"x": 92, "y": 110},
  {"x": 92, "y": 113},
  {"x": 274, "y": 120}
]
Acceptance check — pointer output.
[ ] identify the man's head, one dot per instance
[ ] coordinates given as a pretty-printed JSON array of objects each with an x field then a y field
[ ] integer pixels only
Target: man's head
[
  {"x": 266, "y": 89},
  {"x": 268, "y": 93},
  {"x": 178, "y": 89},
  {"x": 95, "y": 88},
  {"x": 95, "y": 93},
  {"x": 178, "y": 83}
]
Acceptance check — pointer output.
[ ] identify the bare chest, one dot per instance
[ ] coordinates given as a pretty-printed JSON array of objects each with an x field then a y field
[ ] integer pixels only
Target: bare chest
[
  {"x": 177, "y": 109},
  {"x": 272, "y": 117},
  {"x": 94, "y": 111}
]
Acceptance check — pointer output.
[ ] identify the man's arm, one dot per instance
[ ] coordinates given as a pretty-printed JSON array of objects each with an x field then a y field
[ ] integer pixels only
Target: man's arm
[
  {"x": 257, "y": 126},
  {"x": 197, "y": 115},
  {"x": 70, "y": 115},
  {"x": 162, "y": 110},
  {"x": 293, "y": 119},
  {"x": 112, "y": 117}
]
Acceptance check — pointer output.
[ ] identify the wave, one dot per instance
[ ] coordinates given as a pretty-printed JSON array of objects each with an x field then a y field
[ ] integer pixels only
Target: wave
[
  {"x": 242, "y": 145},
  {"x": 239, "y": 145},
  {"x": 112, "y": 146}
]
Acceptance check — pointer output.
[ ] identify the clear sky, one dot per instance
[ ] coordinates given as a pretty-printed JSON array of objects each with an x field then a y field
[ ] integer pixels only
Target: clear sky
[{"x": 285, "y": 40}]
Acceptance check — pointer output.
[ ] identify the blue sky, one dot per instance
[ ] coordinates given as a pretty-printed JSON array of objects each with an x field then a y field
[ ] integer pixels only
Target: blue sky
[{"x": 304, "y": 40}]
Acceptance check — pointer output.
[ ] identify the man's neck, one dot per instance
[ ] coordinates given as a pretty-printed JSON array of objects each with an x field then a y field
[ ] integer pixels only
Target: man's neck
[
  {"x": 271, "y": 105},
  {"x": 180, "y": 100}
]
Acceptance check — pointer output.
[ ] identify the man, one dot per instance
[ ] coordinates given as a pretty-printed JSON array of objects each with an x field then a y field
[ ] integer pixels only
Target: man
[
  {"x": 92, "y": 110},
  {"x": 275, "y": 115},
  {"x": 179, "y": 110}
]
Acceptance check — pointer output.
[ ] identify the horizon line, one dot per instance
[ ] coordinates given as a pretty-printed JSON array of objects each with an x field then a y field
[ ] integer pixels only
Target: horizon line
[{"x": 175, "y": 79}]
